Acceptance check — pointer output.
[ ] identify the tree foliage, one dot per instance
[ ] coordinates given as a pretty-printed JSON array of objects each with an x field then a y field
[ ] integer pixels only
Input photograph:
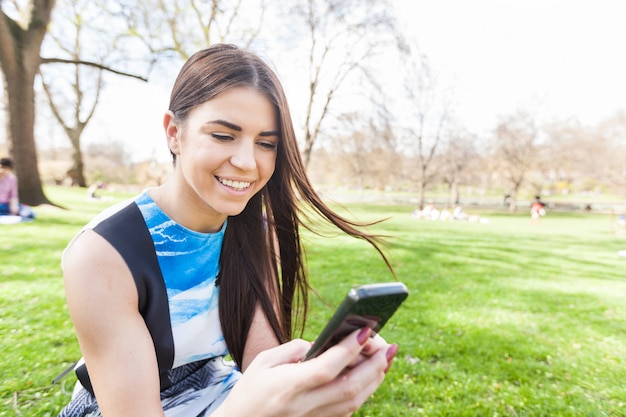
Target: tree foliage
[
  {"x": 341, "y": 39},
  {"x": 428, "y": 117},
  {"x": 178, "y": 28},
  {"x": 73, "y": 95},
  {"x": 515, "y": 150},
  {"x": 22, "y": 31},
  {"x": 372, "y": 134}
]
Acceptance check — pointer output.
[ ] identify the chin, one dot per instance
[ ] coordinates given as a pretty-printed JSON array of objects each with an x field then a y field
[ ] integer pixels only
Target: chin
[{"x": 232, "y": 211}]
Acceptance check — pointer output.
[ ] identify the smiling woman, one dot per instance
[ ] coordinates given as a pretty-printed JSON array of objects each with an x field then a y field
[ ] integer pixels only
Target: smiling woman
[
  {"x": 161, "y": 288},
  {"x": 225, "y": 152}
]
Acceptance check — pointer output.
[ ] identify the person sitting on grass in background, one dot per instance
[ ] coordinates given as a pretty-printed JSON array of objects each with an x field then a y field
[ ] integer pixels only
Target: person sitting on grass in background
[
  {"x": 9, "y": 198},
  {"x": 537, "y": 210},
  {"x": 161, "y": 288}
]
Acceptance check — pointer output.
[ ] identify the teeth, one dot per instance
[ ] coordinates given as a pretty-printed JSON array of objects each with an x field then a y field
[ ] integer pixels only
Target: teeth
[{"x": 235, "y": 185}]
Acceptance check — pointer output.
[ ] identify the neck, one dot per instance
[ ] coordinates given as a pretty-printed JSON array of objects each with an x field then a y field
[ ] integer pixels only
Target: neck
[{"x": 184, "y": 210}]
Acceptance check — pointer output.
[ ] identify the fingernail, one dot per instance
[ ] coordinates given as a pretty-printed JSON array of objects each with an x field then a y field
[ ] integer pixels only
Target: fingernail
[
  {"x": 363, "y": 335},
  {"x": 391, "y": 352}
]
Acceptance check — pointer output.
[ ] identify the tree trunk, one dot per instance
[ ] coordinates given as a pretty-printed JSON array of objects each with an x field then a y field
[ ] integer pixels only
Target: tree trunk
[
  {"x": 22, "y": 148},
  {"x": 513, "y": 205},
  {"x": 422, "y": 195},
  {"x": 457, "y": 194},
  {"x": 78, "y": 167},
  {"x": 19, "y": 56}
]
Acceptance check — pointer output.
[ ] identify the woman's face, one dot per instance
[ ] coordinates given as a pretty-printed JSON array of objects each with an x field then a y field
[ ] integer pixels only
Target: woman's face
[{"x": 225, "y": 151}]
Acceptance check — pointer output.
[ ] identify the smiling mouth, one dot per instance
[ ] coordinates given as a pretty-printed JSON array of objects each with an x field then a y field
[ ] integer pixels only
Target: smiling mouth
[{"x": 235, "y": 185}]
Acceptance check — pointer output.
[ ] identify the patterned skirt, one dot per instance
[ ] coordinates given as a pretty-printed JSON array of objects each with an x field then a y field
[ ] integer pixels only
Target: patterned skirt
[{"x": 197, "y": 390}]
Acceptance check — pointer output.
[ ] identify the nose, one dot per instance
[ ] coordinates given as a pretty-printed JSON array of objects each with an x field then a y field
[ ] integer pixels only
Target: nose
[{"x": 243, "y": 156}]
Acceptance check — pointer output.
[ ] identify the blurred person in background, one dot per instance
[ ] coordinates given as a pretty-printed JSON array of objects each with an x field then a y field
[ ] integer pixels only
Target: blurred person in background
[{"x": 9, "y": 198}]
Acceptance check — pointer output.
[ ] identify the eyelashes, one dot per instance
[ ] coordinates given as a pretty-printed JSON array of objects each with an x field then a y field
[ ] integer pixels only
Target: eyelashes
[
  {"x": 265, "y": 144},
  {"x": 222, "y": 138}
]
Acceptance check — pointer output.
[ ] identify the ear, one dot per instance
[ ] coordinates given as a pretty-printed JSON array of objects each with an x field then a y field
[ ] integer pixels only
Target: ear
[{"x": 172, "y": 132}]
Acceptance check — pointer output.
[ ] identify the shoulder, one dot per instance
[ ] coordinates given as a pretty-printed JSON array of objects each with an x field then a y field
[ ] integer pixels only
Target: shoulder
[
  {"x": 11, "y": 179},
  {"x": 91, "y": 246},
  {"x": 89, "y": 249},
  {"x": 95, "y": 275},
  {"x": 110, "y": 212}
]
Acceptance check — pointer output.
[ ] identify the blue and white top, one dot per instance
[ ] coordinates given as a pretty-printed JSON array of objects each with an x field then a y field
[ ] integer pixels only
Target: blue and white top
[
  {"x": 189, "y": 262},
  {"x": 175, "y": 271}
]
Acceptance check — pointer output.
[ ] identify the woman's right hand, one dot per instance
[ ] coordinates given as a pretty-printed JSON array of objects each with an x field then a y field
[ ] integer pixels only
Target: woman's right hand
[{"x": 334, "y": 384}]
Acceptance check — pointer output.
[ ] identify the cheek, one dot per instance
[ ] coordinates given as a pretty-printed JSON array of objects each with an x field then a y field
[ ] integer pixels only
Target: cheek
[
  {"x": 268, "y": 167},
  {"x": 265, "y": 171},
  {"x": 198, "y": 166}
]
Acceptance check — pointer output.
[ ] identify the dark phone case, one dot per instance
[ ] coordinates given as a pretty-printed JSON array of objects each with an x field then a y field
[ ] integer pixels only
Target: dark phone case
[{"x": 370, "y": 305}]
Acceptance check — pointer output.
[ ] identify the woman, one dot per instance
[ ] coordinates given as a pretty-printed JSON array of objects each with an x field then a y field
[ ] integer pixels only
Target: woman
[
  {"x": 9, "y": 203},
  {"x": 142, "y": 280},
  {"x": 9, "y": 199}
]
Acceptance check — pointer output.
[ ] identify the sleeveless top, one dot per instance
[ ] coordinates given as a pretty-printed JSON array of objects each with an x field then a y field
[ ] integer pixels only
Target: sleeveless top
[{"x": 175, "y": 271}]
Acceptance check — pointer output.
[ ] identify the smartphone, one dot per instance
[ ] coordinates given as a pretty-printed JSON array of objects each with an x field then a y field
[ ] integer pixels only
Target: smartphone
[{"x": 370, "y": 305}]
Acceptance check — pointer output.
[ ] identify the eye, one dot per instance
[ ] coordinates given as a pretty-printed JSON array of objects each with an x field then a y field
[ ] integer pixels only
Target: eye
[
  {"x": 270, "y": 146},
  {"x": 221, "y": 138}
]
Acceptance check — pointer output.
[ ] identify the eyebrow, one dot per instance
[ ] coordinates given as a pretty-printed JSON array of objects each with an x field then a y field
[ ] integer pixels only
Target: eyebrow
[{"x": 239, "y": 129}]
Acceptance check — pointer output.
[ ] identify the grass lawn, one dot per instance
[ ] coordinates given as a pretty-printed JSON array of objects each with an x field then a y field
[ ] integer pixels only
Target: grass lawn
[{"x": 504, "y": 318}]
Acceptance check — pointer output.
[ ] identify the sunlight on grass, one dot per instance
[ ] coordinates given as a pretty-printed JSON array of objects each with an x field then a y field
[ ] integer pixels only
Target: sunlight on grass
[{"x": 504, "y": 318}]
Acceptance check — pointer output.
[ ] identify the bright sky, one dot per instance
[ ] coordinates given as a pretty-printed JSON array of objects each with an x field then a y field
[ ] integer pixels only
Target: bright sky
[{"x": 564, "y": 57}]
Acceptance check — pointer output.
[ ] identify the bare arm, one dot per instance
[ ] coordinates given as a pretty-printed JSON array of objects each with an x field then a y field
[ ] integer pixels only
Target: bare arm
[
  {"x": 14, "y": 203},
  {"x": 14, "y": 206},
  {"x": 118, "y": 350},
  {"x": 261, "y": 337}
]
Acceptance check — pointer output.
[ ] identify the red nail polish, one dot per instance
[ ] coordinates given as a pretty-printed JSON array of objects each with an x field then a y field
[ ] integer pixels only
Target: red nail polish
[
  {"x": 391, "y": 352},
  {"x": 363, "y": 335}
]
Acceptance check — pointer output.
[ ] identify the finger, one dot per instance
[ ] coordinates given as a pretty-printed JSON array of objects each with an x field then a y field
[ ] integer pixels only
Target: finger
[
  {"x": 328, "y": 365},
  {"x": 359, "y": 359},
  {"x": 348, "y": 405},
  {"x": 290, "y": 352},
  {"x": 373, "y": 345},
  {"x": 349, "y": 391}
]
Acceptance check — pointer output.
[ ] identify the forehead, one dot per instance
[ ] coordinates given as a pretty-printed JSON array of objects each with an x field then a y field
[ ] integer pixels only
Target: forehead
[{"x": 244, "y": 106}]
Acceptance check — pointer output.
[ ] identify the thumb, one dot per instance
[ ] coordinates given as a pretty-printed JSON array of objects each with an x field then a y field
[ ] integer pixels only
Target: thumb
[
  {"x": 334, "y": 360},
  {"x": 290, "y": 352}
]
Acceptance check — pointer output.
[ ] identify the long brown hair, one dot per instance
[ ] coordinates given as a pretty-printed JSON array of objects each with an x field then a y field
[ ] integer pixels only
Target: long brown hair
[{"x": 262, "y": 261}]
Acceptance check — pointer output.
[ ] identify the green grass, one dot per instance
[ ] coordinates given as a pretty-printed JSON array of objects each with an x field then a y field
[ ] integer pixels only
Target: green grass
[{"x": 504, "y": 318}]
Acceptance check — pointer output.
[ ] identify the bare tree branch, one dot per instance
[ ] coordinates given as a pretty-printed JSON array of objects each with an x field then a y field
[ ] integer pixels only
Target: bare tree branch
[
  {"x": 340, "y": 39},
  {"x": 91, "y": 64}
]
